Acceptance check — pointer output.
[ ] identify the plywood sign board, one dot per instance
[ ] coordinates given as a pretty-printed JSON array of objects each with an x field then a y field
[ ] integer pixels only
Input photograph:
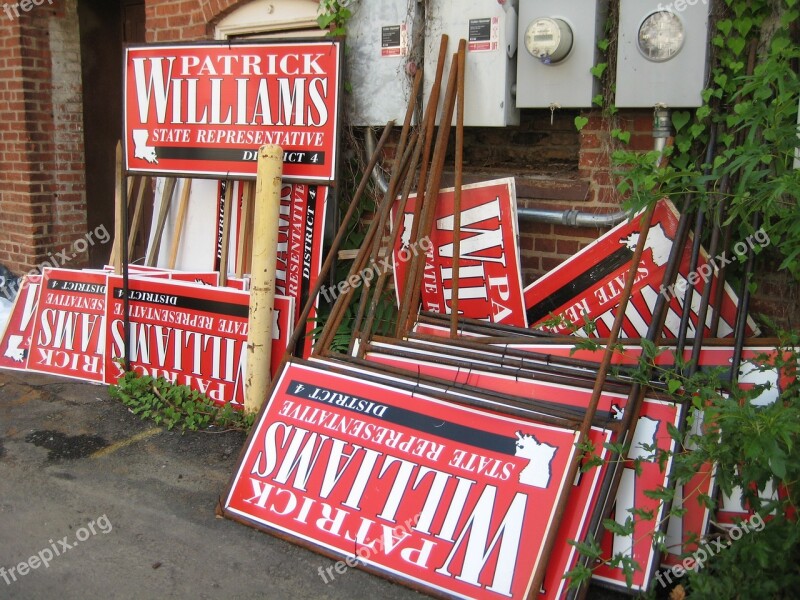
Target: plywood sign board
[
  {"x": 649, "y": 437},
  {"x": 189, "y": 334},
  {"x": 301, "y": 239},
  {"x": 490, "y": 284},
  {"x": 204, "y": 109},
  {"x": 69, "y": 331},
  {"x": 16, "y": 340},
  {"x": 590, "y": 283},
  {"x": 451, "y": 500}
]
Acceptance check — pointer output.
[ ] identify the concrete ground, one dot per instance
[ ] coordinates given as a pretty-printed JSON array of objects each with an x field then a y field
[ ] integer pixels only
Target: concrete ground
[{"x": 120, "y": 508}]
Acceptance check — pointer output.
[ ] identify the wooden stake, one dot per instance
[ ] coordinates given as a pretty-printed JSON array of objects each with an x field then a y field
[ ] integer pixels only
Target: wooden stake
[
  {"x": 462, "y": 56},
  {"x": 336, "y": 314},
  {"x": 138, "y": 211},
  {"x": 226, "y": 233},
  {"x": 244, "y": 229},
  {"x": 417, "y": 265},
  {"x": 429, "y": 124},
  {"x": 591, "y": 410},
  {"x": 163, "y": 211},
  {"x": 183, "y": 206},
  {"x": 119, "y": 209},
  {"x": 262, "y": 282}
]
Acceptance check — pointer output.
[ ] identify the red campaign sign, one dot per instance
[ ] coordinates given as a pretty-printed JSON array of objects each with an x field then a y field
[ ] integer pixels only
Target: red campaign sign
[
  {"x": 591, "y": 282},
  {"x": 609, "y": 405},
  {"x": 69, "y": 332},
  {"x": 301, "y": 234},
  {"x": 575, "y": 522},
  {"x": 301, "y": 237},
  {"x": 189, "y": 334},
  {"x": 402, "y": 484},
  {"x": 16, "y": 340},
  {"x": 200, "y": 277},
  {"x": 205, "y": 109},
  {"x": 582, "y": 500},
  {"x": 650, "y": 432},
  {"x": 489, "y": 281}
]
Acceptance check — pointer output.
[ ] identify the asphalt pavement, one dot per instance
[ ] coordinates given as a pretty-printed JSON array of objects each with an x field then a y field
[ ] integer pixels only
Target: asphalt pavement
[{"x": 96, "y": 503}]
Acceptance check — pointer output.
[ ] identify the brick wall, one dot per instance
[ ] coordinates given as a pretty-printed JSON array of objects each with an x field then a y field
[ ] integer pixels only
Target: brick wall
[
  {"x": 184, "y": 20},
  {"x": 40, "y": 211}
]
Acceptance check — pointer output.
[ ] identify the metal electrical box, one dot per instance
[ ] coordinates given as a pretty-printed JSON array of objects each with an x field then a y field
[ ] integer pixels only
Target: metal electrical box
[
  {"x": 379, "y": 42},
  {"x": 662, "y": 53},
  {"x": 557, "y": 49},
  {"x": 490, "y": 29}
]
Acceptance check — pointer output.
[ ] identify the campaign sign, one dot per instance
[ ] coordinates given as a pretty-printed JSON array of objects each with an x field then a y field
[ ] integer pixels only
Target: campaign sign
[
  {"x": 489, "y": 281},
  {"x": 205, "y": 109},
  {"x": 69, "y": 331},
  {"x": 641, "y": 473},
  {"x": 16, "y": 340},
  {"x": 589, "y": 285},
  {"x": 301, "y": 233},
  {"x": 189, "y": 334},
  {"x": 301, "y": 236},
  {"x": 453, "y": 500}
]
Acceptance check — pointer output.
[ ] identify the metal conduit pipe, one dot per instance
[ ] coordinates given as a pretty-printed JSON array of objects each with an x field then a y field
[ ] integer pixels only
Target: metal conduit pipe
[
  {"x": 377, "y": 173},
  {"x": 571, "y": 217}
]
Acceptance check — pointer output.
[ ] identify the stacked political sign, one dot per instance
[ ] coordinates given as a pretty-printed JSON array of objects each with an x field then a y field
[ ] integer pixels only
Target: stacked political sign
[
  {"x": 71, "y": 323},
  {"x": 489, "y": 276},
  {"x": 403, "y": 484},
  {"x": 588, "y": 286}
]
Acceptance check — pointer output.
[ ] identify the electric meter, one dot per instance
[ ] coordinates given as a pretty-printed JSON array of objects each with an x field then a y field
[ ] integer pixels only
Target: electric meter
[
  {"x": 660, "y": 36},
  {"x": 549, "y": 40}
]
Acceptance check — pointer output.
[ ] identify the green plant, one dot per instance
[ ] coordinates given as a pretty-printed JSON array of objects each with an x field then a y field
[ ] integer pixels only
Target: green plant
[
  {"x": 333, "y": 16},
  {"x": 751, "y": 446},
  {"x": 173, "y": 405},
  {"x": 754, "y": 114}
]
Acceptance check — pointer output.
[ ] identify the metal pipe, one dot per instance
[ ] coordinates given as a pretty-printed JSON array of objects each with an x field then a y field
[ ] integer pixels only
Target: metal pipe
[
  {"x": 377, "y": 175},
  {"x": 571, "y": 217}
]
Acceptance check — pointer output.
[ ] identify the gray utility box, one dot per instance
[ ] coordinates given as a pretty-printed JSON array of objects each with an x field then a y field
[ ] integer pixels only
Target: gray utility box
[
  {"x": 557, "y": 48},
  {"x": 490, "y": 29},
  {"x": 662, "y": 53},
  {"x": 379, "y": 42}
]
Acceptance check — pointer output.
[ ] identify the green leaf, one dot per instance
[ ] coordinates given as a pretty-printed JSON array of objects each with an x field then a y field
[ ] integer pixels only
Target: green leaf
[
  {"x": 697, "y": 129},
  {"x": 581, "y": 122},
  {"x": 743, "y": 26},
  {"x": 673, "y": 385},
  {"x": 598, "y": 69},
  {"x": 725, "y": 26},
  {"x": 612, "y": 526},
  {"x": 680, "y": 118}
]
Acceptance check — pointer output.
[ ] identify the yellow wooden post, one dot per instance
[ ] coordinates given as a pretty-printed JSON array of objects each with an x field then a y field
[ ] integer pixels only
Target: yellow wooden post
[{"x": 262, "y": 275}]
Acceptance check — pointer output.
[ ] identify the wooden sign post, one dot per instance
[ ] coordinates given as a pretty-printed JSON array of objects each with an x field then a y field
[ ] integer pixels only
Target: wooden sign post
[{"x": 262, "y": 276}]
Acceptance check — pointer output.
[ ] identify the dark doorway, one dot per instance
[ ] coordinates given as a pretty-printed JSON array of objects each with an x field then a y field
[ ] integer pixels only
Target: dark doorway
[{"x": 105, "y": 26}]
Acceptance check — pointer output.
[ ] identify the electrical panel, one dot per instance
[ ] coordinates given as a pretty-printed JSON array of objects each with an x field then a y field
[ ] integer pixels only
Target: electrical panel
[
  {"x": 380, "y": 36},
  {"x": 490, "y": 29},
  {"x": 557, "y": 49},
  {"x": 662, "y": 53}
]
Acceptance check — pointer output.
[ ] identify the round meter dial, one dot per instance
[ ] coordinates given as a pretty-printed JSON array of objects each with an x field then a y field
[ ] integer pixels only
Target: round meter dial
[
  {"x": 661, "y": 36},
  {"x": 549, "y": 40}
]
